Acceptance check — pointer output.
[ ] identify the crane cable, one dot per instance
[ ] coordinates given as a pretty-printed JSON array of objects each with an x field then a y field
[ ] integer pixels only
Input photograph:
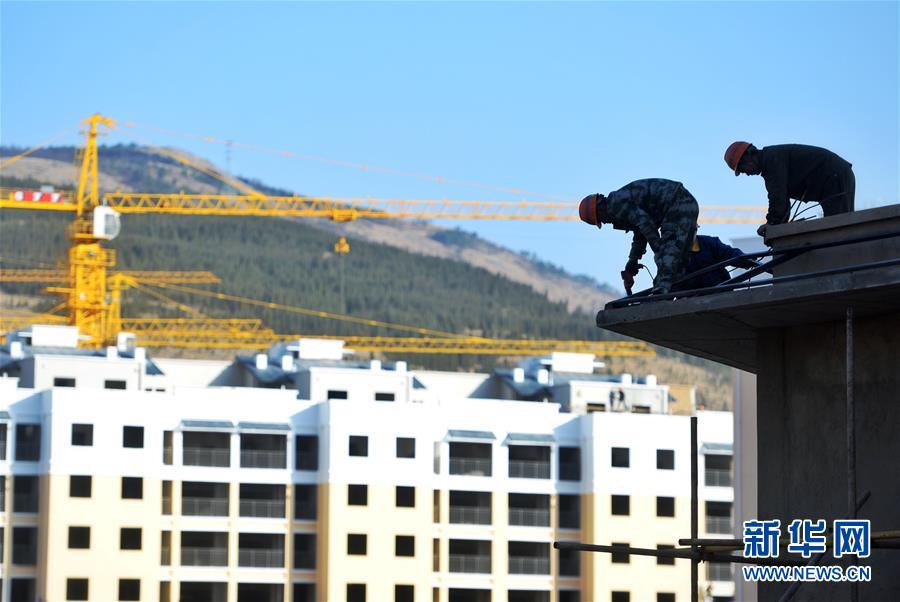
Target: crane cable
[
  {"x": 33, "y": 149},
  {"x": 312, "y": 312},
  {"x": 346, "y": 164}
]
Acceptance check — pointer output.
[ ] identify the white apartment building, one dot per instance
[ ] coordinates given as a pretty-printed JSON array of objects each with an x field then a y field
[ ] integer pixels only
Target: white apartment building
[{"x": 287, "y": 477}]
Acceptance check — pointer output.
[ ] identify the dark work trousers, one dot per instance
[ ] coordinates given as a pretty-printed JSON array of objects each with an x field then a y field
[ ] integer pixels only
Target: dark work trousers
[
  {"x": 839, "y": 193},
  {"x": 676, "y": 237}
]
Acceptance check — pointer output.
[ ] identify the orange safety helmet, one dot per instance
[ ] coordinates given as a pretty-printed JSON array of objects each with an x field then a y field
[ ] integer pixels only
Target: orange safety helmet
[
  {"x": 587, "y": 210},
  {"x": 734, "y": 153}
]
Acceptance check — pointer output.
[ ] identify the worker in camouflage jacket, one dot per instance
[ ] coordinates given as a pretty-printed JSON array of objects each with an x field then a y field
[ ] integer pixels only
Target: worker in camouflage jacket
[
  {"x": 661, "y": 213},
  {"x": 796, "y": 171}
]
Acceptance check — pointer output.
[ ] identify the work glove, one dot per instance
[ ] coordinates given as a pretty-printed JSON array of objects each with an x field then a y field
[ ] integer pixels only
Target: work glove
[
  {"x": 762, "y": 230},
  {"x": 631, "y": 270}
]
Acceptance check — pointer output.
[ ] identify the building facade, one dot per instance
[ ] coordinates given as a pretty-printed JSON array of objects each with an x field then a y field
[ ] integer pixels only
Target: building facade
[{"x": 280, "y": 477}]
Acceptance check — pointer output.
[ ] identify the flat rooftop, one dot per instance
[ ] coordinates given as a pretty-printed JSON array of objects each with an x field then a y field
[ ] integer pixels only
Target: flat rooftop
[{"x": 723, "y": 326}]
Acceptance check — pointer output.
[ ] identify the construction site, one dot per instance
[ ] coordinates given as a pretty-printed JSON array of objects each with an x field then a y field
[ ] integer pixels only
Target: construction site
[{"x": 429, "y": 388}]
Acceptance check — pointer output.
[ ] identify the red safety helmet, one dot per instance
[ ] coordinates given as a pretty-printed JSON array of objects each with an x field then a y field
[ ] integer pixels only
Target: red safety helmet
[
  {"x": 587, "y": 210},
  {"x": 734, "y": 153}
]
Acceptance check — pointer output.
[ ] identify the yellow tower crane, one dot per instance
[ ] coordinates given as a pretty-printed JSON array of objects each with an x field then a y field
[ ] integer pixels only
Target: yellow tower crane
[{"x": 92, "y": 291}]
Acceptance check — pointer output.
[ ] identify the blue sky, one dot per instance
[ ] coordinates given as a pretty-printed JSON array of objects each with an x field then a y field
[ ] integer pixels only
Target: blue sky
[{"x": 563, "y": 99}]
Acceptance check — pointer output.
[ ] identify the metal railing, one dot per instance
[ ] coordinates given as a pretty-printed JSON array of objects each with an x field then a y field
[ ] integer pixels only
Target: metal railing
[
  {"x": 26, "y": 503},
  {"x": 717, "y": 477},
  {"x": 263, "y": 458},
  {"x": 24, "y": 554},
  {"x": 28, "y": 452},
  {"x": 304, "y": 561},
  {"x": 475, "y": 467},
  {"x": 470, "y": 563},
  {"x": 204, "y": 506},
  {"x": 719, "y": 571},
  {"x": 529, "y": 565},
  {"x": 206, "y": 456},
  {"x": 166, "y": 505},
  {"x": 271, "y": 559},
  {"x": 168, "y": 455},
  {"x": 529, "y": 469},
  {"x": 196, "y": 556},
  {"x": 529, "y": 517},
  {"x": 470, "y": 515},
  {"x": 720, "y": 525},
  {"x": 569, "y": 472},
  {"x": 262, "y": 508}
]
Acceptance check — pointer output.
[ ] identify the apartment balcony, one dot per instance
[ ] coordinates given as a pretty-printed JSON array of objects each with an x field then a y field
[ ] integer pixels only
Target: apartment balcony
[
  {"x": 715, "y": 477},
  {"x": 529, "y": 510},
  {"x": 204, "y": 506},
  {"x": 525, "y": 565},
  {"x": 470, "y": 515},
  {"x": 263, "y": 451},
  {"x": 529, "y": 469},
  {"x": 529, "y": 517},
  {"x": 471, "y": 459},
  {"x": 202, "y": 556},
  {"x": 475, "y": 467},
  {"x": 271, "y": 559},
  {"x": 529, "y": 558},
  {"x": 261, "y": 550},
  {"x": 529, "y": 461},
  {"x": 470, "y": 563},
  {"x": 262, "y": 508},
  {"x": 206, "y": 456},
  {"x": 719, "y": 525}
]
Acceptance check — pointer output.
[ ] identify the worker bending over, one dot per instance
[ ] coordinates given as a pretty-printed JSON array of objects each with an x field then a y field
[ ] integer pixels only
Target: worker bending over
[
  {"x": 661, "y": 213},
  {"x": 796, "y": 171},
  {"x": 707, "y": 251}
]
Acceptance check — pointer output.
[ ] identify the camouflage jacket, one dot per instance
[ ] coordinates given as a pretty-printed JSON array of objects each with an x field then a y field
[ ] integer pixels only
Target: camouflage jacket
[{"x": 642, "y": 206}]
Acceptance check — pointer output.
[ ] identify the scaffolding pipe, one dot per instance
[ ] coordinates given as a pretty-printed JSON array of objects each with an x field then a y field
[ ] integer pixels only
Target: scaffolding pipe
[
  {"x": 851, "y": 441},
  {"x": 695, "y": 549}
]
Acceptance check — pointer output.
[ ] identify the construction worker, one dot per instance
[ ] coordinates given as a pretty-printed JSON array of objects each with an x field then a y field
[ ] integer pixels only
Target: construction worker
[
  {"x": 796, "y": 171},
  {"x": 662, "y": 214},
  {"x": 705, "y": 252}
]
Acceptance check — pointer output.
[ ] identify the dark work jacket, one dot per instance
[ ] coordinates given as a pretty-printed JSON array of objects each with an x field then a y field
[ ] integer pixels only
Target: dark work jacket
[
  {"x": 796, "y": 171},
  {"x": 712, "y": 251}
]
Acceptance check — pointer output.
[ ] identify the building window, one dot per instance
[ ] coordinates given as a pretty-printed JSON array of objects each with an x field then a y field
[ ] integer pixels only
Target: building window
[
  {"x": 405, "y": 497},
  {"x": 665, "y": 506},
  {"x": 305, "y": 551},
  {"x": 356, "y": 592},
  {"x": 619, "y": 556},
  {"x": 24, "y": 546},
  {"x": 306, "y": 456},
  {"x": 569, "y": 511},
  {"x": 165, "y": 591},
  {"x": 79, "y": 538},
  {"x": 132, "y": 488},
  {"x": 305, "y": 503},
  {"x": 569, "y": 463},
  {"x": 621, "y": 597},
  {"x": 133, "y": 436},
  {"x": 167, "y": 498},
  {"x": 569, "y": 563},
  {"x": 83, "y": 434},
  {"x": 665, "y": 597},
  {"x": 356, "y": 544},
  {"x": 129, "y": 589},
  {"x": 569, "y": 595},
  {"x": 2, "y": 495},
  {"x": 63, "y": 381},
  {"x": 165, "y": 548},
  {"x": 406, "y": 447},
  {"x": 359, "y": 445},
  {"x": 620, "y": 457},
  {"x": 384, "y": 397},
  {"x": 119, "y": 385},
  {"x": 665, "y": 559},
  {"x": 335, "y": 394},
  {"x": 304, "y": 592},
  {"x": 357, "y": 495},
  {"x": 3, "y": 428},
  {"x": 405, "y": 545},
  {"x": 76, "y": 589},
  {"x": 167, "y": 448},
  {"x": 404, "y": 593},
  {"x": 80, "y": 486},
  {"x": 28, "y": 442},
  {"x": 621, "y": 505},
  {"x": 26, "y": 494},
  {"x": 665, "y": 459},
  {"x": 130, "y": 538}
]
